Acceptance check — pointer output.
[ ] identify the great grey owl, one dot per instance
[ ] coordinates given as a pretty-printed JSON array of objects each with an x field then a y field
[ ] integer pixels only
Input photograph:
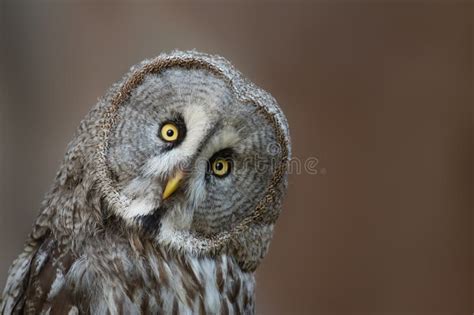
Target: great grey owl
[{"x": 166, "y": 199}]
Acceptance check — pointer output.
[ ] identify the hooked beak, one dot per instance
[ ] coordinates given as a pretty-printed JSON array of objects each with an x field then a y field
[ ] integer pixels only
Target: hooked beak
[{"x": 172, "y": 184}]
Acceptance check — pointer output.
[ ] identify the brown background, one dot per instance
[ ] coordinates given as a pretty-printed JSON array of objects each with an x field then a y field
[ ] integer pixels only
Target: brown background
[{"x": 380, "y": 93}]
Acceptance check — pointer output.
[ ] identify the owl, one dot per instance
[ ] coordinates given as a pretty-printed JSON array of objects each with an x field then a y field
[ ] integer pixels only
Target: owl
[{"x": 166, "y": 200}]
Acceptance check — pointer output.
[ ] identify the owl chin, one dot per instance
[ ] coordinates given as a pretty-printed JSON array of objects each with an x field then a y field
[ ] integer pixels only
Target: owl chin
[
  {"x": 143, "y": 196},
  {"x": 150, "y": 223},
  {"x": 171, "y": 210}
]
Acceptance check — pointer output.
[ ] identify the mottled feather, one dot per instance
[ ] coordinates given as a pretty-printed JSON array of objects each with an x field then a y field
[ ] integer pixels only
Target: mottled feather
[{"x": 107, "y": 242}]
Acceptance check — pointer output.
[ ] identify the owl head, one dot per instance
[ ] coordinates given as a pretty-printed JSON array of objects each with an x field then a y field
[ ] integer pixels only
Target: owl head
[{"x": 185, "y": 152}]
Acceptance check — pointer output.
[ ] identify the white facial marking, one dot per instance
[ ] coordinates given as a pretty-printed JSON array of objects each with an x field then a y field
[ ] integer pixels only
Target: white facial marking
[
  {"x": 198, "y": 123},
  {"x": 227, "y": 137},
  {"x": 142, "y": 197}
]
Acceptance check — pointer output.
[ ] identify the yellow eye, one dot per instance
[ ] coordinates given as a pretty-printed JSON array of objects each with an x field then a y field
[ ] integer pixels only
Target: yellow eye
[
  {"x": 221, "y": 167},
  {"x": 169, "y": 132}
]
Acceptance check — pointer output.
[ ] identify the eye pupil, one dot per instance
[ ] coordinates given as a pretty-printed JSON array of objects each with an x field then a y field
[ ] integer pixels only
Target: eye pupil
[
  {"x": 219, "y": 166},
  {"x": 169, "y": 132}
]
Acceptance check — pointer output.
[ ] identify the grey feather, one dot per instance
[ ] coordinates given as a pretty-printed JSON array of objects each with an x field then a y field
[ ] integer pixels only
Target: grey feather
[{"x": 106, "y": 241}]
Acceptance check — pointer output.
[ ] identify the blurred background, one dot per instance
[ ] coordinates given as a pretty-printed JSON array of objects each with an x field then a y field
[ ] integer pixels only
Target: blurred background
[{"x": 380, "y": 93}]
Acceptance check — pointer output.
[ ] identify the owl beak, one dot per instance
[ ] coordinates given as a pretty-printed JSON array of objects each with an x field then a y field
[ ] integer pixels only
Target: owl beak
[{"x": 172, "y": 184}]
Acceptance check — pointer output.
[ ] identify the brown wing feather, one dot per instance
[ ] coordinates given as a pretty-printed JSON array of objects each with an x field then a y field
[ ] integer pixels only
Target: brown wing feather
[
  {"x": 42, "y": 288},
  {"x": 18, "y": 274}
]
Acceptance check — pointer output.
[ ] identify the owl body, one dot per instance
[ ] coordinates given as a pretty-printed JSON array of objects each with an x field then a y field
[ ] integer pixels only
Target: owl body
[
  {"x": 166, "y": 199},
  {"x": 134, "y": 277}
]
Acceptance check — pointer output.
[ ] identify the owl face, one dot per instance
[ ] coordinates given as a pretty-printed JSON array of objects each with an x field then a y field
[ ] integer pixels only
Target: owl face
[{"x": 188, "y": 155}]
